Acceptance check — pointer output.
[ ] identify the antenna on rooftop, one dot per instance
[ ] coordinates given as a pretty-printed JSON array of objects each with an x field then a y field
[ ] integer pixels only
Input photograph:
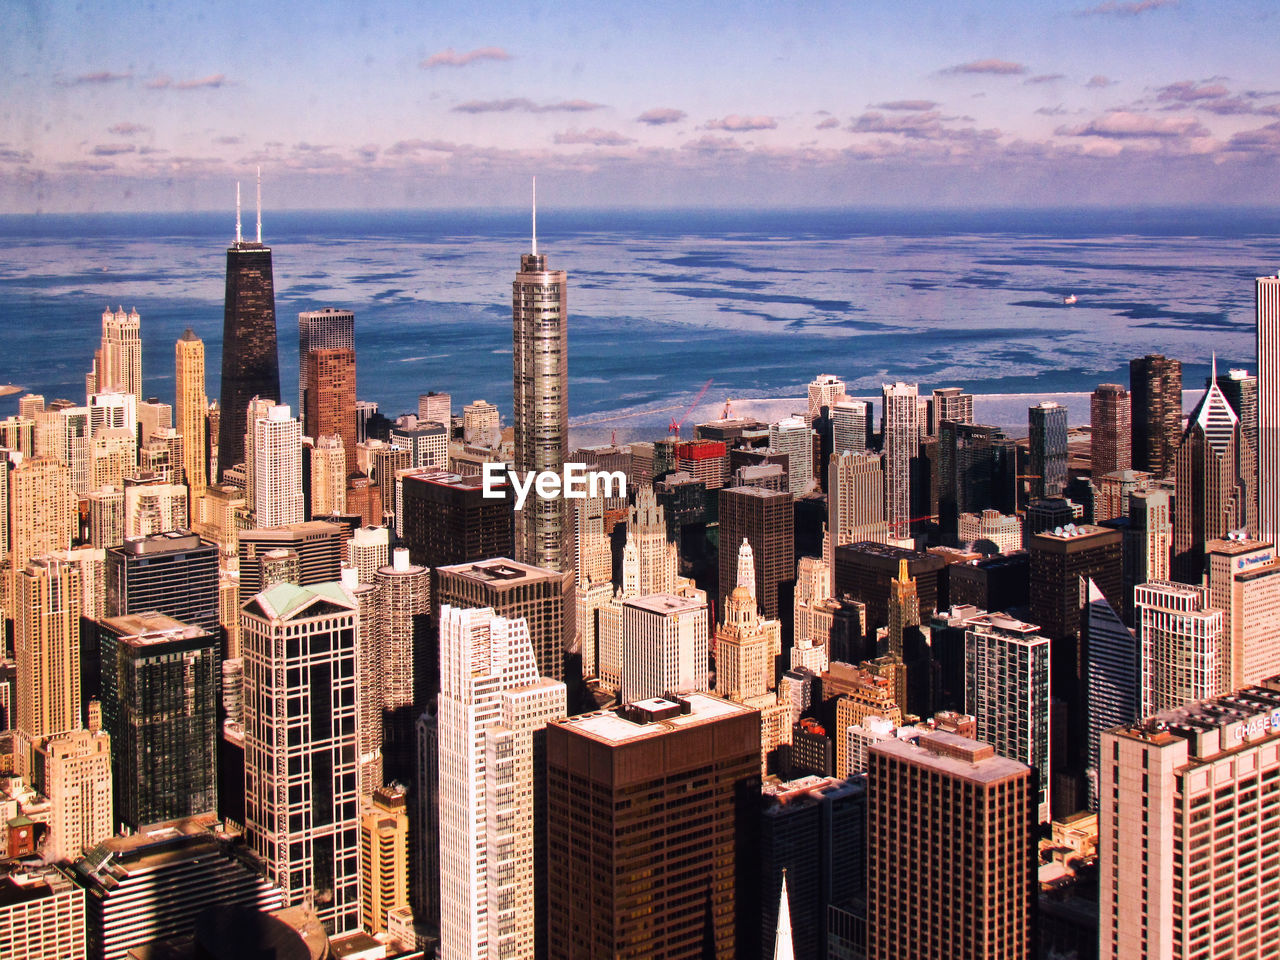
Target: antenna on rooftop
[
  {"x": 535, "y": 216},
  {"x": 259, "y": 204},
  {"x": 237, "y": 211}
]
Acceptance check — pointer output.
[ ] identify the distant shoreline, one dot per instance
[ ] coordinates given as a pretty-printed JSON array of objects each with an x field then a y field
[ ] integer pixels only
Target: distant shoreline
[{"x": 8, "y": 390}]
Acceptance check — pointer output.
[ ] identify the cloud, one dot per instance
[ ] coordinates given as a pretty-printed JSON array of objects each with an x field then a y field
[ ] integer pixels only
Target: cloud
[
  {"x": 909, "y": 105},
  {"x": 228, "y": 141},
  {"x": 1099, "y": 82},
  {"x": 738, "y": 124},
  {"x": 449, "y": 58},
  {"x": 368, "y": 153},
  {"x": 661, "y": 115},
  {"x": 828, "y": 124},
  {"x": 710, "y": 145},
  {"x": 1045, "y": 78},
  {"x": 1002, "y": 67},
  {"x": 213, "y": 80},
  {"x": 97, "y": 78},
  {"x": 113, "y": 149},
  {"x": 1057, "y": 111},
  {"x": 1188, "y": 91},
  {"x": 126, "y": 129},
  {"x": 1122, "y": 124},
  {"x": 525, "y": 105},
  {"x": 594, "y": 137},
  {"x": 1125, "y": 9},
  {"x": 1263, "y": 140},
  {"x": 8, "y": 155},
  {"x": 404, "y": 148},
  {"x": 919, "y": 126}
]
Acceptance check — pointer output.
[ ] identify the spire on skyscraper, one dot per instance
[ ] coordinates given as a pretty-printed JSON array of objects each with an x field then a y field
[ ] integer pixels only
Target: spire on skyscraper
[
  {"x": 747, "y": 568},
  {"x": 783, "y": 949},
  {"x": 535, "y": 216}
]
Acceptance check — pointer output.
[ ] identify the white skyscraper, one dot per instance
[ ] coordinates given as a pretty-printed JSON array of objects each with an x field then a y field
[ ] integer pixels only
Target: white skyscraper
[
  {"x": 824, "y": 391},
  {"x": 1268, "y": 291},
  {"x": 277, "y": 468},
  {"x": 901, "y": 443},
  {"x": 300, "y": 746},
  {"x": 1185, "y": 656},
  {"x": 664, "y": 646},
  {"x": 849, "y": 425},
  {"x": 121, "y": 355},
  {"x": 794, "y": 437},
  {"x": 492, "y": 702}
]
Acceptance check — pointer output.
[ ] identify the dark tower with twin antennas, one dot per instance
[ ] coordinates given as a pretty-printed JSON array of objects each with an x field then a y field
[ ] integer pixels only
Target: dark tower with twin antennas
[{"x": 250, "y": 363}]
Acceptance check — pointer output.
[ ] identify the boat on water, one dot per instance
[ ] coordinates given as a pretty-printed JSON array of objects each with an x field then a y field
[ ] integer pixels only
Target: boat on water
[{"x": 1069, "y": 299}]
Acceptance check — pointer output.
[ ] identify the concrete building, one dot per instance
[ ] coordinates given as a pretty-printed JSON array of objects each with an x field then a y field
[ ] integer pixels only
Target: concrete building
[
  {"x": 664, "y": 646},
  {"x": 174, "y": 573},
  {"x": 47, "y": 648},
  {"x": 480, "y": 423},
  {"x": 493, "y": 706},
  {"x": 970, "y": 896},
  {"x": 1004, "y": 531},
  {"x": 277, "y": 472},
  {"x": 318, "y": 544},
  {"x": 328, "y": 476},
  {"x": 901, "y": 432},
  {"x": 1007, "y": 691},
  {"x": 73, "y": 769},
  {"x": 1110, "y": 419},
  {"x": 191, "y": 409},
  {"x": 1268, "y": 339},
  {"x": 447, "y": 519},
  {"x": 41, "y": 913},
  {"x": 326, "y": 329},
  {"x": 949, "y": 403},
  {"x": 793, "y": 437},
  {"x": 1188, "y": 846},
  {"x": 617, "y": 830},
  {"x": 765, "y": 519},
  {"x": 300, "y": 663},
  {"x": 1147, "y": 546},
  {"x": 850, "y": 426},
  {"x": 118, "y": 362},
  {"x": 384, "y": 857},
  {"x": 1185, "y": 655},
  {"x": 404, "y": 605},
  {"x": 1243, "y": 577}
]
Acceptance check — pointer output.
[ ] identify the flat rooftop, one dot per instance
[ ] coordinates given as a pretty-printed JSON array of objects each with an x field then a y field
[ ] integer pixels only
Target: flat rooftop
[
  {"x": 145, "y": 629},
  {"x": 609, "y": 728},
  {"x": 500, "y": 570},
  {"x": 665, "y": 603},
  {"x": 950, "y": 754}
]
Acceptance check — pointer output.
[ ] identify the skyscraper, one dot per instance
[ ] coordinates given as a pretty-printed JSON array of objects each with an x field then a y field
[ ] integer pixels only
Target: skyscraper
[
  {"x": 1007, "y": 692},
  {"x": 1215, "y": 484},
  {"x": 540, "y": 400},
  {"x": 1185, "y": 656},
  {"x": 664, "y": 646},
  {"x": 1112, "y": 444},
  {"x": 327, "y": 329},
  {"x": 41, "y": 511},
  {"x": 250, "y": 363},
  {"x": 1112, "y": 676},
  {"x": 949, "y": 403},
  {"x": 384, "y": 857},
  {"x": 1243, "y": 577},
  {"x": 174, "y": 573},
  {"x": 620, "y": 834},
  {"x": 855, "y": 503},
  {"x": 1268, "y": 296},
  {"x": 73, "y": 769},
  {"x": 331, "y": 398},
  {"x": 951, "y": 851},
  {"x": 192, "y": 410},
  {"x": 159, "y": 703},
  {"x": 493, "y": 706},
  {"x": 277, "y": 471},
  {"x": 121, "y": 354},
  {"x": 794, "y": 437},
  {"x": 1188, "y": 844},
  {"x": 765, "y": 519},
  {"x": 1048, "y": 429},
  {"x": 404, "y": 605},
  {"x": 1241, "y": 391},
  {"x": 1155, "y": 385},
  {"x": 850, "y": 425},
  {"x": 901, "y": 442},
  {"x": 46, "y": 623},
  {"x": 824, "y": 391},
  {"x": 300, "y": 750}
]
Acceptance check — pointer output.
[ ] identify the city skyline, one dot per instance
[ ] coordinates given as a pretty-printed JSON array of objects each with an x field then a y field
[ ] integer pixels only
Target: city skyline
[{"x": 952, "y": 105}]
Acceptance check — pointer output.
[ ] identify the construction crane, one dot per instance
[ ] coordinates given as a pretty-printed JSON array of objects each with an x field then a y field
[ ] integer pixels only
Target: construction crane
[{"x": 674, "y": 429}]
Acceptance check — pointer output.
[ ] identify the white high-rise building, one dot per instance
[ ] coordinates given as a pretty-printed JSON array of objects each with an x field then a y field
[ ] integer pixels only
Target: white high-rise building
[
  {"x": 849, "y": 420},
  {"x": 302, "y": 797},
  {"x": 328, "y": 477},
  {"x": 480, "y": 423},
  {"x": 855, "y": 504},
  {"x": 664, "y": 646},
  {"x": 1243, "y": 578},
  {"x": 1185, "y": 656},
  {"x": 794, "y": 437},
  {"x": 491, "y": 704},
  {"x": 121, "y": 367},
  {"x": 1006, "y": 690},
  {"x": 824, "y": 391},
  {"x": 154, "y": 508},
  {"x": 369, "y": 549},
  {"x": 277, "y": 469},
  {"x": 113, "y": 410},
  {"x": 901, "y": 443},
  {"x": 1268, "y": 294}
]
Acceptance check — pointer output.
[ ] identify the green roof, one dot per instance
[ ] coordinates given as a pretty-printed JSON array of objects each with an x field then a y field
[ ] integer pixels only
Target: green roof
[{"x": 285, "y": 600}]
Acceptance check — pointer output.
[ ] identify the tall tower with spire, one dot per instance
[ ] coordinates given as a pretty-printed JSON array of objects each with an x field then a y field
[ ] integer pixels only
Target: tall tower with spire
[
  {"x": 1214, "y": 480},
  {"x": 540, "y": 398},
  {"x": 250, "y": 363}
]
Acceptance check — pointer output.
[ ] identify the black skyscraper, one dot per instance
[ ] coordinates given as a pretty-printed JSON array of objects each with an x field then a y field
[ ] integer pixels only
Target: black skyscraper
[{"x": 250, "y": 364}]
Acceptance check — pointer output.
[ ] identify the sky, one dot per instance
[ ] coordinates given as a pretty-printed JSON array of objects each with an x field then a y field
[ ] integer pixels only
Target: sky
[{"x": 112, "y": 106}]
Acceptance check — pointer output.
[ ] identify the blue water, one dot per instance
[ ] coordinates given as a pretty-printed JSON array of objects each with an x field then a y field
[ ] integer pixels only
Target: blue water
[{"x": 660, "y": 302}]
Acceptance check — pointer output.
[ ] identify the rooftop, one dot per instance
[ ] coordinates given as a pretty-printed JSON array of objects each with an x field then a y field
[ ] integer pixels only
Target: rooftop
[
  {"x": 953, "y": 755},
  {"x": 144, "y": 629},
  {"x": 610, "y": 728},
  {"x": 500, "y": 570},
  {"x": 665, "y": 603}
]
